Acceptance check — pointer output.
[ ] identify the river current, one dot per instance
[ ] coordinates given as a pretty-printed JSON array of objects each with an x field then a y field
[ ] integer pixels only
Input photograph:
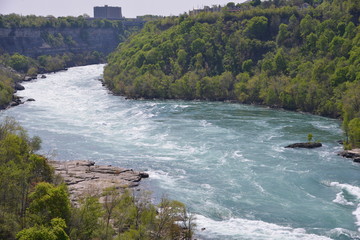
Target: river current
[{"x": 226, "y": 162}]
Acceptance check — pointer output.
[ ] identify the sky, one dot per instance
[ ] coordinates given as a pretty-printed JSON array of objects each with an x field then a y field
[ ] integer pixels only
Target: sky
[{"x": 130, "y": 8}]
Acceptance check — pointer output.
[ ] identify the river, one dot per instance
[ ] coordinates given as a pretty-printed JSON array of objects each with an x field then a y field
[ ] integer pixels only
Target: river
[{"x": 226, "y": 161}]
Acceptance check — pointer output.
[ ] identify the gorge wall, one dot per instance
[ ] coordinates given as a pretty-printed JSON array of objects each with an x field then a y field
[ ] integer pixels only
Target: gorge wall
[{"x": 34, "y": 42}]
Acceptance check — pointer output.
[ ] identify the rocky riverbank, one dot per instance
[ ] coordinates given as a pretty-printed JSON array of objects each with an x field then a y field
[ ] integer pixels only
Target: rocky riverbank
[
  {"x": 84, "y": 177},
  {"x": 354, "y": 154}
]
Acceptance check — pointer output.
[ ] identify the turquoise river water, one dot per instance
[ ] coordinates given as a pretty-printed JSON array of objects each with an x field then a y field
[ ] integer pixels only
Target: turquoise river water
[{"x": 226, "y": 161}]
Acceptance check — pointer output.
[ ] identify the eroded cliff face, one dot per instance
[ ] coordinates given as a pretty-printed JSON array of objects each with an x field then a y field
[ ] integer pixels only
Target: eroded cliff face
[{"x": 34, "y": 42}]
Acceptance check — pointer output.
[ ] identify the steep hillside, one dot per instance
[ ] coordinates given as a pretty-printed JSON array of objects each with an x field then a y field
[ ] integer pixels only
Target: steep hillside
[
  {"x": 35, "y": 42},
  {"x": 297, "y": 55}
]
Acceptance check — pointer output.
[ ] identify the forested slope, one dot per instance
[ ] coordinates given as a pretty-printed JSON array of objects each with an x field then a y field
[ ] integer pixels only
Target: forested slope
[{"x": 297, "y": 55}]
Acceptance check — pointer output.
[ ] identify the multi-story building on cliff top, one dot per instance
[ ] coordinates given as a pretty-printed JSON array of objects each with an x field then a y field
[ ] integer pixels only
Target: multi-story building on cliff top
[{"x": 108, "y": 12}]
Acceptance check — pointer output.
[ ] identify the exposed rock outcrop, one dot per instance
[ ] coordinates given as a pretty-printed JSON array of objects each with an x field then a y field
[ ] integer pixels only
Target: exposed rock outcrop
[
  {"x": 305, "y": 145},
  {"x": 84, "y": 176}
]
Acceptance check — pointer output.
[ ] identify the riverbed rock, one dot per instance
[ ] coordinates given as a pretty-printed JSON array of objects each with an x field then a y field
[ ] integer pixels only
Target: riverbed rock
[
  {"x": 43, "y": 76},
  {"x": 30, "y": 100},
  {"x": 29, "y": 78},
  {"x": 19, "y": 87},
  {"x": 16, "y": 100},
  {"x": 83, "y": 177},
  {"x": 305, "y": 145},
  {"x": 354, "y": 154}
]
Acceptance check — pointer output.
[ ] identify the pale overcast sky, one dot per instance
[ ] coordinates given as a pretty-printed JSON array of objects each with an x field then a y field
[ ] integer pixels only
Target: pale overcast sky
[{"x": 130, "y": 8}]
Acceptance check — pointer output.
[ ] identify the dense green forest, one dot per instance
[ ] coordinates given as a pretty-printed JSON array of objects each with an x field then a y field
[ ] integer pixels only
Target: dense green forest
[
  {"x": 295, "y": 54},
  {"x": 35, "y": 203}
]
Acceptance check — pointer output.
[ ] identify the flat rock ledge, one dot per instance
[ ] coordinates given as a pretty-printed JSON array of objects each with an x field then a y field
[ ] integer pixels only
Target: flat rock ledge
[
  {"x": 84, "y": 177},
  {"x": 354, "y": 154},
  {"x": 305, "y": 145}
]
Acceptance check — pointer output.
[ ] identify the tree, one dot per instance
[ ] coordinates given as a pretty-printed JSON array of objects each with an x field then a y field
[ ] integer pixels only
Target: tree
[
  {"x": 56, "y": 231},
  {"x": 255, "y": 3},
  {"x": 310, "y": 137},
  {"x": 48, "y": 202},
  {"x": 282, "y": 35},
  {"x": 85, "y": 219},
  {"x": 280, "y": 61},
  {"x": 112, "y": 198},
  {"x": 257, "y": 27},
  {"x": 165, "y": 224},
  {"x": 198, "y": 46},
  {"x": 354, "y": 132},
  {"x": 307, "y": 25},
  {"x": 247, "y": 65},
  {"x": 19, "y": 63},
  {"x": 230, "y": 5}
]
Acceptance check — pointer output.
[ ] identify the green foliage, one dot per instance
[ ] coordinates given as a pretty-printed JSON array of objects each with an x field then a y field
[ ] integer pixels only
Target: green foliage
[
  {"x": 48, "y": 202},
  {"x": 310, "y": 137},
  {"x": 354, "y": 132},
  {"x": 85, "y": 223},
  {"x": 32, "y": 21},
  {"x": 257, "y": 27},
  {"x": 56, "y": 231},
  {"x": 20, "y": 170},
  {"x": 19, "y": 62},
  {"x": 6, "y": 90}
]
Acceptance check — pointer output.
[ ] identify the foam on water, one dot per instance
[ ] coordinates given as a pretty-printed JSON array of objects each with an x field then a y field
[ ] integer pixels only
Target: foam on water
[
  {"x": 239, "y": 228},
  {"x": 341, "y": 233},
  {"x": 352, "y": 190}
]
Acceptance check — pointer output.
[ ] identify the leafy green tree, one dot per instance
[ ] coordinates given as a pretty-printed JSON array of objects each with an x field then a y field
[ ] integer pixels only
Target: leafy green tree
[
  {"x": 354, "y": 132},
  {"x": 56, "y": 231},
  {"x": 283, "y": 35},
  {"x": 257, "y": 27},
  {"x": 310, "y": 137},
  {"x": 280, "y": 61},
  {"x": 48, "y": 202},
  {"x": 247, "y": 65},
  {"x": 198, "y": 46},
  {"x": 85, "y": 219},
  {"x": 307, "y": 25},
  {"x": 19, "y": 62}
]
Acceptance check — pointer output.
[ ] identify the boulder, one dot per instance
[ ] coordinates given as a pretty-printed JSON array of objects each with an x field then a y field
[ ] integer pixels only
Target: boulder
[
  {"x": 30, "y": 100},
  {"x": 353, "y": 154},
  {"x": 144, "y": 175},
  {"x": 19, "y": 87},
  {"x": 13, "y": 104},
  {"x": 348, "y": 154},
  {"x": 28, "y": 78},
  {"x": 43, "y": 76},
  {"x": 305, "y": 145},
  {"x": 15, "y": 101}
]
